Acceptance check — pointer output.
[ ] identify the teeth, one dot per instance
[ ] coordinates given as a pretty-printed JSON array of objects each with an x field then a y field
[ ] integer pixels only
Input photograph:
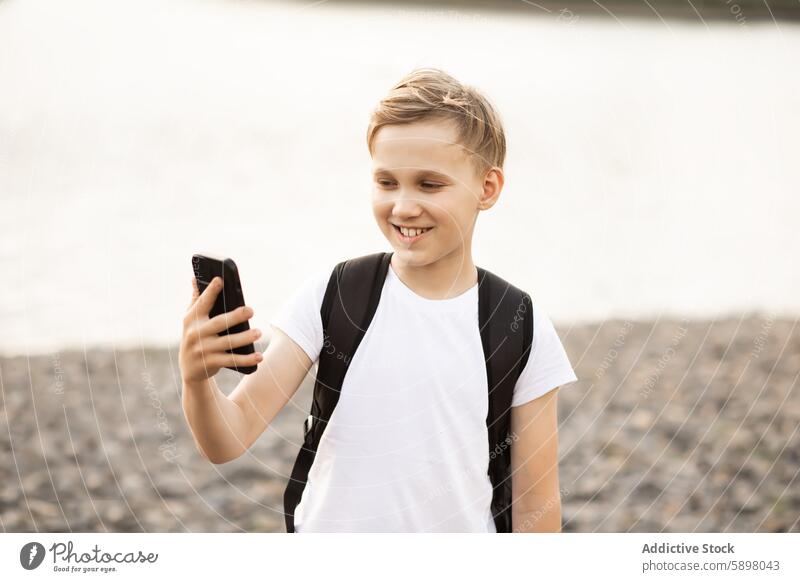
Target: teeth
[{"x": 412, "y": 232}]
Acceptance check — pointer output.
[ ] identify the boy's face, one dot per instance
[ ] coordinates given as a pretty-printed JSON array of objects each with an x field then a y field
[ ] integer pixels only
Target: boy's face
[{"x": 422, "y": 178}]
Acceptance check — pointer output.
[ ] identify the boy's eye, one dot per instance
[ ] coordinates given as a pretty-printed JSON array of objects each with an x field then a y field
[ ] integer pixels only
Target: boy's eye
[{"x": 384, "y": 183}]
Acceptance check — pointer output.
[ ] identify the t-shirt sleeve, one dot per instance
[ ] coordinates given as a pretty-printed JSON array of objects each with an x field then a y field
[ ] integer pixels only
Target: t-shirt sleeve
[
  {"x": 299, "y": 316},
  {"x": 548, "y": 365}
]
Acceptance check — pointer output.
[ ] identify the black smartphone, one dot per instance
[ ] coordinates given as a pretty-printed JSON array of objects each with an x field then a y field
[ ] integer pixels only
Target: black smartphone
[{"x": 206, "y": 267}]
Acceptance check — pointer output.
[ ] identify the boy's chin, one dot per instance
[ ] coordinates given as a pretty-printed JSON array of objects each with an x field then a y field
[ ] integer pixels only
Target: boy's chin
[{"x": 411, "y": 257}]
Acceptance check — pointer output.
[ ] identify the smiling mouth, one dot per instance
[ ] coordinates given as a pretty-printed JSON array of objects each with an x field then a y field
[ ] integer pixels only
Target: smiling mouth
[{"x": 409, "y": 239}]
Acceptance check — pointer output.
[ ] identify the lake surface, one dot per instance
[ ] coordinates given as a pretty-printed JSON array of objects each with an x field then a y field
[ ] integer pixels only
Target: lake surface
[{"x": 651, "y": 171}]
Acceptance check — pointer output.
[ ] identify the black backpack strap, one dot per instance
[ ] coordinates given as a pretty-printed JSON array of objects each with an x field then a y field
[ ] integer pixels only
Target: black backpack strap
[
  {"x": 351, "y": 298},
  {"x": 505, "y": 318}
]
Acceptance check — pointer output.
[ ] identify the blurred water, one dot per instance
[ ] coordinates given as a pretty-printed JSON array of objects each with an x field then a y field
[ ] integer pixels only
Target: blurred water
[{"x": 651, "y": 167}]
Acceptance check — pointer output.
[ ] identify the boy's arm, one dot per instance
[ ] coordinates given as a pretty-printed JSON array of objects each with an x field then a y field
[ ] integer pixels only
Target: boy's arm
[
  {"x": 263, "y": 394},
  {"x": 536, "y": 500},
  {"x": 224, "y": 427}
]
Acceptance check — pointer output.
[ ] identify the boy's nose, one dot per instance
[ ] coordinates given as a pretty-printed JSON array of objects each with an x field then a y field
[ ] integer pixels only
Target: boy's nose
[{"x": 407, "y": 204}]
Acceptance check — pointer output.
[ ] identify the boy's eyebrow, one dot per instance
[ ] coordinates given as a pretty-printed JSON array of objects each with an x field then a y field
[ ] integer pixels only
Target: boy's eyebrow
[{"x": 418, "y": 174}]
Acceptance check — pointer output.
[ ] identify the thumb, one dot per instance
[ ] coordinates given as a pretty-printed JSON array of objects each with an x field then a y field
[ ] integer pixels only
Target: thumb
[{"x": 203, "y": 304}]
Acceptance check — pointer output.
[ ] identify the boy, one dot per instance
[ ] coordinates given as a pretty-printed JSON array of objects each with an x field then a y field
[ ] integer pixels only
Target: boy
[{"x": 406, "y": 447}]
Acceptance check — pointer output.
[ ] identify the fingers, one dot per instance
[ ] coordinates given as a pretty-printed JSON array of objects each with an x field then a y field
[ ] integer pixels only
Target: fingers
[
  {"x": 234, "y": 340},
  {"x": 225, "y": 320},
  {"x": 223, "y": 360},
  {"x": 203, "y": 304},
  {"x": 195, "y": 292}
]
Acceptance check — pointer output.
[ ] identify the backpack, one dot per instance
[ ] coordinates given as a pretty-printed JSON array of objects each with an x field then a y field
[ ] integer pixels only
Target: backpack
[{"x": 350, "y": 301}]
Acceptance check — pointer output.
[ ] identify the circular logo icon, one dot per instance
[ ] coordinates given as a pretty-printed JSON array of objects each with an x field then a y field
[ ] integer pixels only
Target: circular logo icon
[{"x": 31, "y": 555}]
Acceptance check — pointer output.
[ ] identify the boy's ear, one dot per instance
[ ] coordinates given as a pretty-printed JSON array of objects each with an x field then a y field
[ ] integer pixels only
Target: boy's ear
[{"x": 491, "y": 188}]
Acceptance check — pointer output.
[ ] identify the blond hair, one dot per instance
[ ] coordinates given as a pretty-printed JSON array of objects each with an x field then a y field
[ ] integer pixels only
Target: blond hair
[{"x": 430, "y": 93}]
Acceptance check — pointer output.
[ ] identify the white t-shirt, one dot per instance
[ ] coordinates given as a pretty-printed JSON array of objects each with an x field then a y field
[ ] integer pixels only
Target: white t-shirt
[{"x": 406, "y": 447}]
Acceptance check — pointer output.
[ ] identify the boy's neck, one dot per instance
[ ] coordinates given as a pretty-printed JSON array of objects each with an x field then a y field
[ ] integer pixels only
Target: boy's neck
[{"x": 448, "y": 277}]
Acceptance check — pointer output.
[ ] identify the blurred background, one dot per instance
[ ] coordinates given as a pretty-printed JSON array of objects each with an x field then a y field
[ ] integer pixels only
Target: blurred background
[{"x": 651, "y": 208}]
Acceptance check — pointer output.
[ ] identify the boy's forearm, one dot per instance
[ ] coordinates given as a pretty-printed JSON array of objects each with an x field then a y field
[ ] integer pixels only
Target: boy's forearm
[
  {"x": 543, "y": 516},
  {"x": 217, "y": 423}
]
